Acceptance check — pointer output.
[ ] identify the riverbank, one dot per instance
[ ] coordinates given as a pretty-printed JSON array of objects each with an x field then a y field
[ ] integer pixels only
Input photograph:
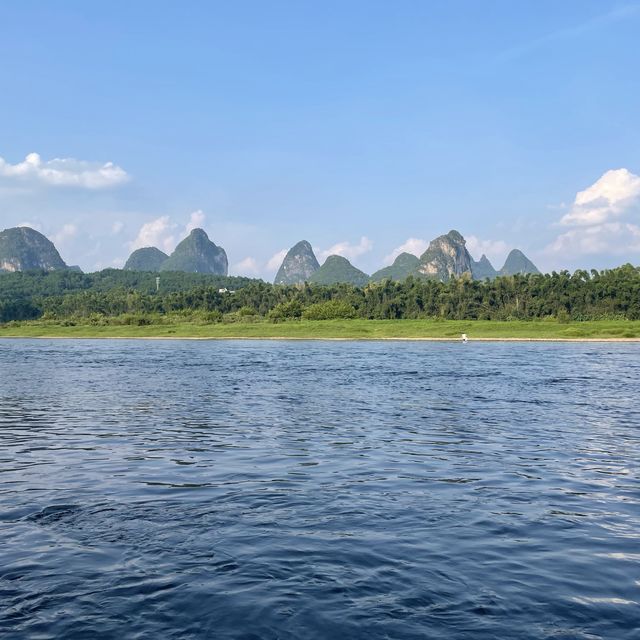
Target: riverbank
[{"x": 613, "y": 330}]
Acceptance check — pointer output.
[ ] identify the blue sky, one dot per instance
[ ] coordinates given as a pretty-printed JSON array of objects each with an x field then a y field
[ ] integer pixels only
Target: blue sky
[{"x": 363, "y": 127}]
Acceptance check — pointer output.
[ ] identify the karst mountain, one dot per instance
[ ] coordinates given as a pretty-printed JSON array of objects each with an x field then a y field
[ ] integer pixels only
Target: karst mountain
[
  {"x": 446, "y": 257},
  {"x": 25, "y": 249}
]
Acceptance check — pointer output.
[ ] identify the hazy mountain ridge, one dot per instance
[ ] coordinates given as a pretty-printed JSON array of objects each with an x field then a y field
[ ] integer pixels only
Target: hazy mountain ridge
[{"x": 23, "y": 249}]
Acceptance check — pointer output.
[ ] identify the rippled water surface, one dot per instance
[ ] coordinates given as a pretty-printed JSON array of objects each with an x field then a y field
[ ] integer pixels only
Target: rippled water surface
[{"x": 302, "y": 490}]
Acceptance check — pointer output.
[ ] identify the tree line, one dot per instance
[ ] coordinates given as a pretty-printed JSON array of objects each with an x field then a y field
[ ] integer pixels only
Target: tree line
[{"x": 582, "y": 295}]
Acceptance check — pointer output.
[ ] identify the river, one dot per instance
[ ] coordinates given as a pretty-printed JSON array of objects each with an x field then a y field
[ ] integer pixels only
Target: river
[{"x": 312, "y": 490}]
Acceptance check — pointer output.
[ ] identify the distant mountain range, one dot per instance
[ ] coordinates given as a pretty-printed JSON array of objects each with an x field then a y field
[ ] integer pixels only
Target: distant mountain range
[
  {"x": 24, "y": 249},
  {"x": 446, "y": 257}
]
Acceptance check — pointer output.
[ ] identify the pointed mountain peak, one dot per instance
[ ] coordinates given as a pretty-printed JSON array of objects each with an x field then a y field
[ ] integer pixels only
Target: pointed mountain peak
[
  {"x": 456, "y": 236},
  {"x": 198, "y": 234},
  {"x": 516, "y": 263},
  {"x": 197, "y": 254},
  {"x": 298, "y": 265},
  {"x": 405, "y": 258},
  {"x": 483, "y": 269},
  {"x": 303, "y": 245},
  {"x": 446, "y": 257}
]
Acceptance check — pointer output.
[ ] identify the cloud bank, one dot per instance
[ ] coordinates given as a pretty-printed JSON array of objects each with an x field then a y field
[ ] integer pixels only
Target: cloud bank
[
  {"x": 611, "y": 238},
  {"x": 64, "y": 235},
  {"x": 247, "y": 267},
  {"x": 64, "y": 172},
  {"x": 157, "y": 233},
  {"x": 196, "y": 221},
  {"x": 415, "y": 246},
  {"x": 346, "y": 249},
  {"x": 609, "y": 197},
  {"x": 163, "y": 233},
  {"x": 603, "y": 218}
]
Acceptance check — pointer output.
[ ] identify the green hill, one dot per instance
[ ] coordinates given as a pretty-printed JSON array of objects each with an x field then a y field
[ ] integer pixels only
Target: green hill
[
  {"x": 146, "y": 259},
  {"x": 197, "y": 254},
  {"x": 403, "y": 266},
  {"x": 338, "y": 269}
]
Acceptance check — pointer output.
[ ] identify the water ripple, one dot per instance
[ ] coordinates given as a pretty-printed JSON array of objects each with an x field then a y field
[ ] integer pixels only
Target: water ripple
[{"x": 319, "y": 490}]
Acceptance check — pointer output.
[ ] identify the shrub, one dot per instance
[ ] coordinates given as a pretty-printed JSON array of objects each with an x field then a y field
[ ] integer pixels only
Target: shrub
[
  {"x": 245, "y": 312},
  {"x": 97, "y": 320},
  {"x": 330, "y": 310},
  {"x": 208, "y": 317},
  {"x": 130, "y": 319},
  {"x": 286, "y": 310}
]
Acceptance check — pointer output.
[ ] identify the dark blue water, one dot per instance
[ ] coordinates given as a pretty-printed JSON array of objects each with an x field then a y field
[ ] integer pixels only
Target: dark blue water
[{"x": 302, "y": 490}]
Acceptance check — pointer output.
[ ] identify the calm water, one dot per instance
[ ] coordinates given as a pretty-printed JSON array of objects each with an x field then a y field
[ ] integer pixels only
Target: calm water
[{"x": 319, "y": 490}]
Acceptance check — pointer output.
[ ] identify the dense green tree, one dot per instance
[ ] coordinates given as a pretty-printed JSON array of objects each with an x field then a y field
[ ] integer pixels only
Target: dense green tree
[{"x": 612, "y": 293}]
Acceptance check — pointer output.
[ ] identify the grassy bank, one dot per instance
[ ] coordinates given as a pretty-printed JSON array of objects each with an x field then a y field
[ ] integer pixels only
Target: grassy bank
[{"x": 345, "y": 329}]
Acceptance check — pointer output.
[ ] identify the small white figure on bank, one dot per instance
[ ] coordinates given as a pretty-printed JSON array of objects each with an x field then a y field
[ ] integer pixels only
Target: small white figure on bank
[{"x": 464, "y": 338}]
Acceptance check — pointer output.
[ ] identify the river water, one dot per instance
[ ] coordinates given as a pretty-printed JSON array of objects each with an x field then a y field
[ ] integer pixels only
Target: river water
[{"x": 302, "y": 490}]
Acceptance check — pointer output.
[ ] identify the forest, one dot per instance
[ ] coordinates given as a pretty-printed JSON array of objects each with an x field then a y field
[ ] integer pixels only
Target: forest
[{"x": 114, "y": 296}]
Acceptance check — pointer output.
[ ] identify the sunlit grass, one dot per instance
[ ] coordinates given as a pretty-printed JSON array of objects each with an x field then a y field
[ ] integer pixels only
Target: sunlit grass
[{"x": 339, "y": 329}]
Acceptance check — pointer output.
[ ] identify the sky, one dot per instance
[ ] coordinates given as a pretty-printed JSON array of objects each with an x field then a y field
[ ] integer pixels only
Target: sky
[{"x": 365, "y": 127}]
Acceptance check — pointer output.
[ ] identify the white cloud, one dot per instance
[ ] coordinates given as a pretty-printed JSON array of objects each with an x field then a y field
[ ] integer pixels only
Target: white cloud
[
  {"x": 157, "y": 233},
  {"x": 275, "y": 260},
  {"x": 612, "y": 195},
  {"x": 163, "y": 233},
  {"x": 68, "y": 232},
  {"x": 196, "y": 220},
  {"x": 611, "y": 237},
  {"x": 248, "y": 266},
  {"x": 495, "y": 250},
  {"x": 64, "y": 172},
  {"x": 346, "y": 249},
  {"x": 415, "y": 246},
  {"x": 595, "y": 217},
  {"x": 117, "y": 227}
]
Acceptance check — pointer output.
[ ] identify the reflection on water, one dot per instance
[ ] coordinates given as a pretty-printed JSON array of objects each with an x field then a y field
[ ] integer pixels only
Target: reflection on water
[{"x": 319, "y": 490}]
